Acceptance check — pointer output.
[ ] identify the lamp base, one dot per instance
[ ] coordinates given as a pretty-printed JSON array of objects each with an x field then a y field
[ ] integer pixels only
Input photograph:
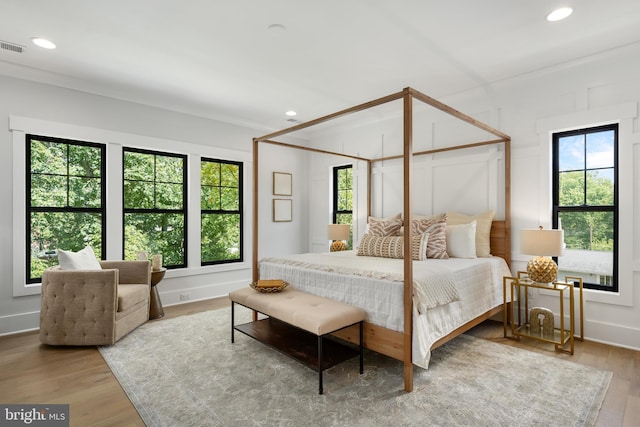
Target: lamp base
[
  {"x": 542, "y": 269},
  {"x": 337, "y": 246}
]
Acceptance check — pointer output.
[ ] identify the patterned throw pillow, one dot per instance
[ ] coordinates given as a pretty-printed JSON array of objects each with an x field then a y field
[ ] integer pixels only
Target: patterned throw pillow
[
  {"x": 393, "y": 246},
  {"x": 384, "y": 228},
  {"x": 437, "y": 229}
]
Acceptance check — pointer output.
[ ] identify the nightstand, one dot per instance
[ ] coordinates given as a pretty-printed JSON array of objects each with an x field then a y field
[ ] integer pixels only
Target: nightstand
[
  {"x": 155, "y": 306},
  {"x": 538, "y": 322}
]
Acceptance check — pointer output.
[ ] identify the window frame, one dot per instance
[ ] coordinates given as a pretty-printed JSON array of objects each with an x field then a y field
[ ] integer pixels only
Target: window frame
[
  {"x": 239, "y": 211},
  {"x": 29, "y": 209},
  {"x": 555, "y": 202},
  {"x": 334, "y": 206},
  {"x": 184, "y": 211}
]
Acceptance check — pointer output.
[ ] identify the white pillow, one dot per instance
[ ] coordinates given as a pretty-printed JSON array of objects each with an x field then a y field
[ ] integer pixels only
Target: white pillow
[
  {"x": 483, "y": 229},
  {"x": 461, "y": 240},
  {"x": 84, "y": 259}
]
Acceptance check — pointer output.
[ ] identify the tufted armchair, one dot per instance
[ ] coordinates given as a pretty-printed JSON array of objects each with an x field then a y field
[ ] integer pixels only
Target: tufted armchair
[{"x": 94, "y": 307}]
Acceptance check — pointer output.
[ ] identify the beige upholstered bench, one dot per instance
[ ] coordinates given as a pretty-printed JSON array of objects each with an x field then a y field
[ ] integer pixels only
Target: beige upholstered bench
[{"x": 313, "y": 317}]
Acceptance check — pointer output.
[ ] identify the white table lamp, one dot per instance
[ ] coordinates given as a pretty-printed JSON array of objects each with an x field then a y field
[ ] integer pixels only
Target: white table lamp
[
  {"x": 544, "y": 244},
  {"x": 338, "y": 233}
]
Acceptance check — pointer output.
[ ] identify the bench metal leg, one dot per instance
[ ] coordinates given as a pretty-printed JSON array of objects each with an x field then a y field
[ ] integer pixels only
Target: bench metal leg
[
  {"x": 320, "y": 362},
  {"x": 233, "y": 304},
  {"x": 361, "y": 348}
]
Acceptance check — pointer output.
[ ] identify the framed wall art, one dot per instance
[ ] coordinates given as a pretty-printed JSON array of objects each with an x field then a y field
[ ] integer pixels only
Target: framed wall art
[
  {"x": 282, "y": 184},
  {"x": 282, "y": 210}
]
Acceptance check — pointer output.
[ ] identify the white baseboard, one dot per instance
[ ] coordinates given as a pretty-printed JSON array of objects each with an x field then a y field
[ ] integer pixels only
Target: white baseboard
[
  {"x": 18, "y": 323},
  {"x": 615, "y": 335},
  {"x": 175, "y": 297}
]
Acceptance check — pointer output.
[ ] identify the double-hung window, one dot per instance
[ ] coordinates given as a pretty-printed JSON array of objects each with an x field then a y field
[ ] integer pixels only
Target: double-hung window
[
  {"x": 66, "y": 190},
  {"x": 343, "y": 198},
  {"x": 155, "y": 205},
  {"x": 585, "y": 204},
  {"x": 221, "y": 211}
]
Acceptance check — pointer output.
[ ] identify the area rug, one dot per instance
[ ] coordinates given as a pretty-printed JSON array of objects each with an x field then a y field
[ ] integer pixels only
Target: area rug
[{"x": 186, "y": 372}]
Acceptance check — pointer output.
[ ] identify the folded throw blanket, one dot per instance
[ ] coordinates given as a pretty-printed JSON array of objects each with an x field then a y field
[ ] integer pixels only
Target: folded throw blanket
[{"x": 432, "y": 285}]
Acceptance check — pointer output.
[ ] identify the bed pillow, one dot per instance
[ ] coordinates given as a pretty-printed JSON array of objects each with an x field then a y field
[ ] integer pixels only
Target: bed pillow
[
  {"x": 383, "y": 228},
  {"x": 437, "y": 229},
  {"x": 421, "y": 217},
  {"x": 387, "y": 218},
  {"x": 483, "y": 229},
  {"x": 461, "y": 240},
  {"x": 393, "y": 246},
  {"x": 84, "y": 259}
]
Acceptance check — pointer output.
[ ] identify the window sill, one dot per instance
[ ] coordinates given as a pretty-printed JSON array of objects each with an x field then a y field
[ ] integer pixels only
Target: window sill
[
  {"x": 35, "y": 288},
  {"x": 207, "y": 269}
]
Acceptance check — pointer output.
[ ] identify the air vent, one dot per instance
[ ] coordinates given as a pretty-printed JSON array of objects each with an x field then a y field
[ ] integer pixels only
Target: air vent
[{"x": 11, "y": 46}]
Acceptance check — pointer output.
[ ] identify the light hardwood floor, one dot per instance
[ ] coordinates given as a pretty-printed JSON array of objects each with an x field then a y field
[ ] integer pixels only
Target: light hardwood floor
[{"x": 35, "y": 374}]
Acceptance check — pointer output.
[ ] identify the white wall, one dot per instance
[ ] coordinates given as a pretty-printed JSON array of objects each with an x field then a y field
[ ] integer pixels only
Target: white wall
[
  {"x": 601, "y": 89},
  {"x": 283, "y": 238},
  {"x": 35, "y": 107}
]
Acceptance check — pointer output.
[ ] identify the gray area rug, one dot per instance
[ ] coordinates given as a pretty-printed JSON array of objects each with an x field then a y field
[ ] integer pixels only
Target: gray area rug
[{"x": 186, "y": 372}]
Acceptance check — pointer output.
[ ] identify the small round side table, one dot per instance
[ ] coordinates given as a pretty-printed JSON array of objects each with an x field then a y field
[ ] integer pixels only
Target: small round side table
[{"x": 155, "y": 307}]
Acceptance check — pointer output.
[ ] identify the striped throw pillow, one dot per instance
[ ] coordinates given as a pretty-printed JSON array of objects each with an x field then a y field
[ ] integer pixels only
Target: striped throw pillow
[
  {"x": 437, "y": 229},
  {"x": 393, "y": 246},
  {"x": 384, "y": 228}
]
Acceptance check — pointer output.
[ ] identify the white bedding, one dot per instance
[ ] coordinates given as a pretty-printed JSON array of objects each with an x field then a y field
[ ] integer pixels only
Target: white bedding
[{"x": 478, "y": 285}]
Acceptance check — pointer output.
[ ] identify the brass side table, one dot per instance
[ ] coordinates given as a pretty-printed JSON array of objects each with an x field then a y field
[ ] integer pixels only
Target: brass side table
[
  {"x": 155, "y": 307},
  {"x": 517, "y": 322}
]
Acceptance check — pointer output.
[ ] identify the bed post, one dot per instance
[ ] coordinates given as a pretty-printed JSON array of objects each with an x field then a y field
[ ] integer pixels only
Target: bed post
[
  {"x": 368, "y": 189},
  {"x": 507, "y": 200},
  {"x": 255, "y": 274},
  {"x": 254, "y": 248},
  {"x": 408, "y": 259}
]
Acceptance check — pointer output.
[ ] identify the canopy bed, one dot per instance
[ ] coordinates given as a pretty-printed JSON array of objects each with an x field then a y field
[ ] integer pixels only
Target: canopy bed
[{"x": 389, "y": 338}]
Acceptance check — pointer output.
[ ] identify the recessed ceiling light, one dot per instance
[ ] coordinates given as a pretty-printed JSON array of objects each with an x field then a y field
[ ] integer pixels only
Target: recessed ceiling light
[
  {"x": 559, "y": 14},
  {"x": 44, "y": 43},
  {"x": 291, "y": 113}
]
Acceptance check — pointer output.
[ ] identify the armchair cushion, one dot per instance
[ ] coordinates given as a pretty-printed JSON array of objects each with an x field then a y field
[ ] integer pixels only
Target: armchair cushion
[{"x": 130, "y": 295}]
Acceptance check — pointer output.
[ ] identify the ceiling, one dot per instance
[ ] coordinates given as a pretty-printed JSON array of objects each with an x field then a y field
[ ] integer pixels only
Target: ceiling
[{"x": 249, "y": 61}]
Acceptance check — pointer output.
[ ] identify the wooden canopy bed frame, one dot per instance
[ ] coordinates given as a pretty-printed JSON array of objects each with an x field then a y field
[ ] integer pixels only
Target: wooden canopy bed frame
[{"x": 391, "y": 343}]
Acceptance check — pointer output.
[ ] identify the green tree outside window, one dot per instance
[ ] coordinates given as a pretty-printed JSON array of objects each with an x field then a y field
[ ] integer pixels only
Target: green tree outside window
[
  {"x": 155, "y": 205},
  {"x": 343, "y": 198},
  {"x": 65, "y": 200},
  {"x": 221, "y": 211},
  {"x": 585, "y": 201}
]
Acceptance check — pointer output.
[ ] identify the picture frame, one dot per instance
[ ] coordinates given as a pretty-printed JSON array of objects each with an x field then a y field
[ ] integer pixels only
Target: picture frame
[
  {"x": 282, "y": 184},
  {"x": 282, "y": 210}
]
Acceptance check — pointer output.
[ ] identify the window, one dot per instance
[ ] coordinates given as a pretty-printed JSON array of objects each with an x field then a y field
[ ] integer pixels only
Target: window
[
  {"x": 585, "y": 204},
  {"x": 343, "y": 198},
  {"x": 221, "y": 211},
  {"x": 65, "y": 191},
  {"x": 155, "y": 205}
]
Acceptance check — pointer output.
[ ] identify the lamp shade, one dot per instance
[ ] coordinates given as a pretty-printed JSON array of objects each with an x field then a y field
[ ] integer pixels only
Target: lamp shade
[
  {"x": 338, "y": 231},
  {"x": 541, "y": 242}
]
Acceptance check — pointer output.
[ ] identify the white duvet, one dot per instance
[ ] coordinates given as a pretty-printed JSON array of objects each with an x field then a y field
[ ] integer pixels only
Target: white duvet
[{"x": 447, "y": 293}]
